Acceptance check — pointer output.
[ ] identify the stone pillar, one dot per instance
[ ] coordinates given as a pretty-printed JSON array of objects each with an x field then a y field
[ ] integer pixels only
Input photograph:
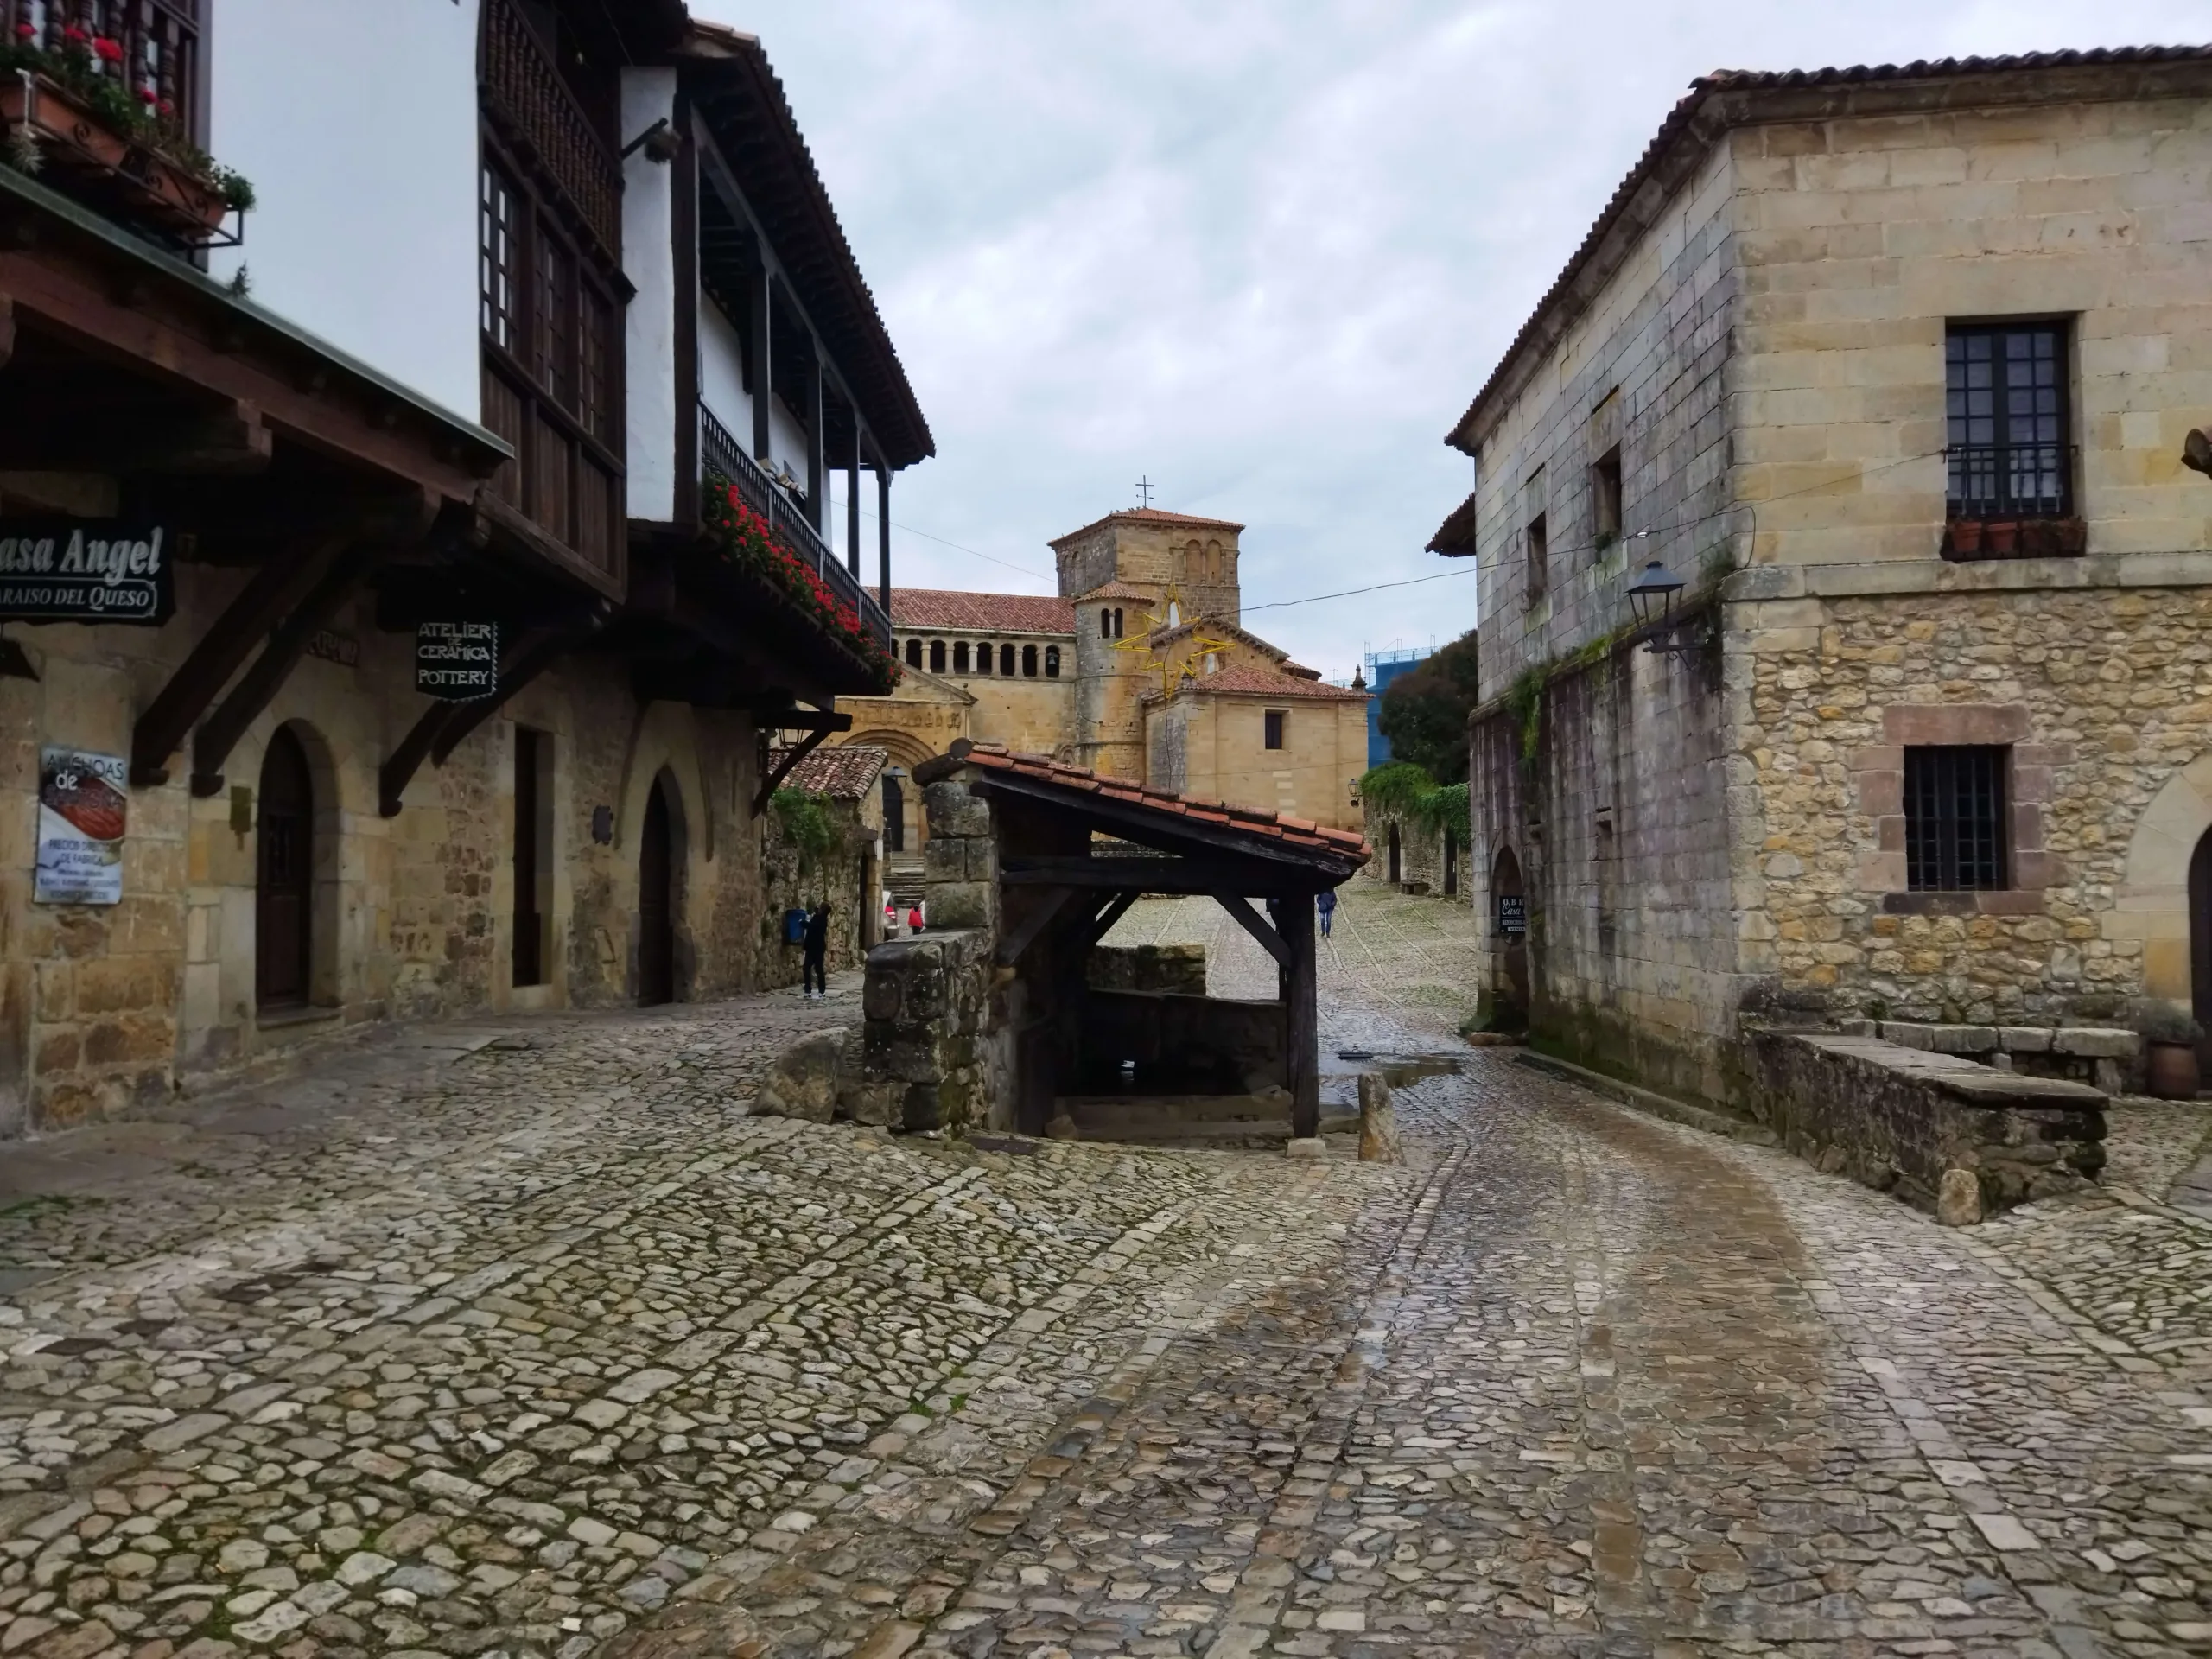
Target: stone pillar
[{"x": 960, "y": 863}]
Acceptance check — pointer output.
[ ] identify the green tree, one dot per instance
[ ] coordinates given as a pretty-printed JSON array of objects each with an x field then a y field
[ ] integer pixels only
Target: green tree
[{"x": 1425, "y": 712}]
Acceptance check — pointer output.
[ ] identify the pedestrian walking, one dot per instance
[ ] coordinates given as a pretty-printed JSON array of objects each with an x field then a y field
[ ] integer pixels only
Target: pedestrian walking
[
  {"x": 814, "y": 976},
  {"x": 914, "y": 919},
  {"x": 1326, "y": 904}
]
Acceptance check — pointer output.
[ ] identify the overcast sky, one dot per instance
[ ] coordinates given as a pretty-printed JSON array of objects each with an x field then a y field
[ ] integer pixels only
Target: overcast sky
[{"x": 1259, "y": 252}]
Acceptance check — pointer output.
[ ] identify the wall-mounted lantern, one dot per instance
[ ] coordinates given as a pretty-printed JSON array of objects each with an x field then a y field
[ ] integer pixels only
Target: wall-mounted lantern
[
  {"x": 1651, "y": 600},
  {"x": 2196, "y": 451}
]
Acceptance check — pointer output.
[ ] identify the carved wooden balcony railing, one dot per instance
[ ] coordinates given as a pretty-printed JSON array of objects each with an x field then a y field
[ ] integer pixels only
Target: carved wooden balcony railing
[{"x": 544, "y": 121}]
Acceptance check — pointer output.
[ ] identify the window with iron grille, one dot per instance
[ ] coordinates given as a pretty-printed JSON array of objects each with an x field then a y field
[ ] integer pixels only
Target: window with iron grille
[
  {"x": 1954, "y": 818},
  {"x": 2009, "y": 451}
]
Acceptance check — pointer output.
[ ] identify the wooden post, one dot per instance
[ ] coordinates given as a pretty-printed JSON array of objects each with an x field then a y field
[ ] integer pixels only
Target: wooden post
[
  {"x": 761, "y": 326},
  {"x": 853, "y": 503},
  {"x": 817, "y": 452},
  {"x": 1301, "y": 1061},
  {"x": 883, "y": 534}
]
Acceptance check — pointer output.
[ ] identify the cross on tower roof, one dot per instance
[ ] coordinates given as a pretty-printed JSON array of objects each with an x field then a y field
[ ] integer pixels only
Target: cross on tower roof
[{"x": 1145, "y": 488}]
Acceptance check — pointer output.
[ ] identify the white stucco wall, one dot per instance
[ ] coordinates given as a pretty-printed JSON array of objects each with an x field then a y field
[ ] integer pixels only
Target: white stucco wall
[
  {"x": 649, "y": 261},
  {"x": 356, "y": 121},
  {"x": 722, "y": 384}
]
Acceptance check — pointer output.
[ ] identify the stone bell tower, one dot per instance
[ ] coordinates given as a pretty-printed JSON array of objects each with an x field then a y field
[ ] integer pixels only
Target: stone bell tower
[{"x": 1130, "y": 572}]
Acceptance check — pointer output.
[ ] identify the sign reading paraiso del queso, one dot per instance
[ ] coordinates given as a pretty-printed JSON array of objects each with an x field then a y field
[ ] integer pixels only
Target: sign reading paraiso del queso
[{"x": 67, "y": 571}]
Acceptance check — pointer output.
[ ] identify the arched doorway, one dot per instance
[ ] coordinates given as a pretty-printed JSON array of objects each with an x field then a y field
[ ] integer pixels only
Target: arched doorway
[
  {"x": 1397, "y": 872},
  {"x": 2200, "y": 944},
  {"x": 284, "y": 876},
  {"x": 894, "y": 814},
  {"x": 1509, "y": 931},
  {"x": 656, "y": 898},
  {"x": 1451, "y": 864}
]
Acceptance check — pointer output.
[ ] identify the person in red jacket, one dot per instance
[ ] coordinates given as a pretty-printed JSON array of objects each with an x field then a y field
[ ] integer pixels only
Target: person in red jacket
[{"x": 914, "y": 919}]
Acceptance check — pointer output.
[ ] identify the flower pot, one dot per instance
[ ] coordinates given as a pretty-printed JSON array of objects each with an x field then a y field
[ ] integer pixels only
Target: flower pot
[
  {"x": 82, "y": 144},
  {"x": 2073, "y": 535},
  {"x": 2038, "y": 538},
  {"x": 1963, "y": 536},
  {"x": 2001, "y": 537},
  {"x": 2173, "y": 1071}
]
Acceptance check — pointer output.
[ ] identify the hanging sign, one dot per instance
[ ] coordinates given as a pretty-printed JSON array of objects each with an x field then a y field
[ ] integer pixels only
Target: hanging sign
[
  {"x": 1512, "y": 916},
  {"x": 458, "y": 662},
  {"x": 86, "y": 570},
  {"x": 82, "y": 806}
]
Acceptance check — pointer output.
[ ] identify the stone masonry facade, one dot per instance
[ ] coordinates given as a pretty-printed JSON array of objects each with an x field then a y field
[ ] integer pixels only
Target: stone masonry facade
[{"x": 1717, "y": 833}]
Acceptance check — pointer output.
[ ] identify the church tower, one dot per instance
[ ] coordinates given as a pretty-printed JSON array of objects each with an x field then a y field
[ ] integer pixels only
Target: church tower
[{"x": 1127, "y": 575}]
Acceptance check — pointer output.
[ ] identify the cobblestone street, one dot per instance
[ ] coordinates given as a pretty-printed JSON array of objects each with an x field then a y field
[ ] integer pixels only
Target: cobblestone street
[{"x": 524, "y": 1339}]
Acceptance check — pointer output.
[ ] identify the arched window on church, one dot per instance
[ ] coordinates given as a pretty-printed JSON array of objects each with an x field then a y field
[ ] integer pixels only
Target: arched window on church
[
  {"x": 1005, "y": 661},
  {"x": 1213, "y": 562},
  {"x": 1029, "y": 662},
  {"x": 1174, "y": 613},
  {"x": 1118, "y": 622},
  {"x": 1106, "y": 623},
  {"x": 983, "y": 657},
  {"x": 960, "y": 656},
  {"x": 936, "y": 656},
  {"x": 913, "y": 653},
  {"x": 1051, "y": 662}
]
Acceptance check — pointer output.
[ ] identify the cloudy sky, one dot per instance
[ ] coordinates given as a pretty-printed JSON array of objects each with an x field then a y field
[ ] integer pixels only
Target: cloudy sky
[{"x": 1259, "y": 252}]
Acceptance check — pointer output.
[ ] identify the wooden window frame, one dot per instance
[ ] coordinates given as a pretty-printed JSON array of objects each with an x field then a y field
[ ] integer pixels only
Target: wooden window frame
[{"x": 1275, "y": 728}]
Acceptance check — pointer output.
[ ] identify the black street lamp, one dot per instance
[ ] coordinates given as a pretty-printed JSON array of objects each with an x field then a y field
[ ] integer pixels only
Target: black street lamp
[{"x": 1651, "y": 600}]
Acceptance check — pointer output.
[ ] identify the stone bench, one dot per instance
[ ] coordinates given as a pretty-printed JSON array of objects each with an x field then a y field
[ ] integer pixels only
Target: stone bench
[
  {"x": 1945, "y": 1133},
  {"x": 2103, "y": 1056}
]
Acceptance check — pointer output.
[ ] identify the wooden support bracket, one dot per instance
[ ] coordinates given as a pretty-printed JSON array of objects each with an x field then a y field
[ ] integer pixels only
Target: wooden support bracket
[
  {"x": 277, "y": 588},
  {"x": 1016, "y": 945},
  {"x": 442, "y": 725},
  {"x": 1249, "y": 920},
  {"x": 1102, "y": 924},
  {"x": 773, "y": 781},
  {"x": 219, "y": 733}
]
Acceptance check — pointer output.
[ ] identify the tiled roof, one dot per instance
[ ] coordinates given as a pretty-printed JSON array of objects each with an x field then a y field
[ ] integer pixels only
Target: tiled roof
[
  {"x": 1267, "y": 831},
  {"x": 845, "y": 774},
  {"x": 1245, "y": 679},
  {"x": 1690, "y": 118},
  {"x": 1455, "y": 537},
  {"x": 947, "y": 607},
  {"x": 1148, "y": 516},
  {"x": 1227, "y": 630},
  {"x": 1116, "y": 590}
]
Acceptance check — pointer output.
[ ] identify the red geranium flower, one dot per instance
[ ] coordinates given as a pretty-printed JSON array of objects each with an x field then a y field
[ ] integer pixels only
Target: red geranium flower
[
  {"x": 75, "y": 35},
  {"x": 25, "y": 30},
  {"x": 107, "y": 50},
  {"x": 148, "y": 95}
]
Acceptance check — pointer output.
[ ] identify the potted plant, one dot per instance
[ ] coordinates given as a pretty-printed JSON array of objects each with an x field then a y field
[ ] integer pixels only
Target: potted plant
[
  {"x": 2002, "y": 534},
  {"x": 1963, "y": 538},
  {"x": 2169, "y": 1039},
  {"x": 2073, "y": 535}
]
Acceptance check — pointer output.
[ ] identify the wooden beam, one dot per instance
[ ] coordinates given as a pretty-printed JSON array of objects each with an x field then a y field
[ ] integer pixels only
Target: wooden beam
[
  {"x": 1102, "y": 924},
  {"x": 277, "y": 588},
  {"x": 1304, "y": 867},
  {"x": 769, "y": 784},
  {"x": 1050, "y": 903},
  {"x": 1302, "y": 1060},
  {"x": 219, "y": 733},
  {"x": 399, "y": 766},
  {"x": 1180, "y": 875},
  {"x": 1249, "y": 920}
]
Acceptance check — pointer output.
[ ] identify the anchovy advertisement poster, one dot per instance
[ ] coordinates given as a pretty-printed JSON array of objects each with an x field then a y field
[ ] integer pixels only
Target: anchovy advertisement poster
[
  {"x": 457, "y": 661},
  {"x": 89, "y": 572},
  {"x": 83, "y": 804}
]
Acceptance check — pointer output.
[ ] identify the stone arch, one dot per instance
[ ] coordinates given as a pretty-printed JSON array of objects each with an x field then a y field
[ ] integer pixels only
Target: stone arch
[
  {"x": 904, "y": 747},
  {"x": 2152, "y": 903},
  {"x": 666, "y": 740},
  {"x": 1508, "y": 954},
  {"x": 332, "y": 907}
]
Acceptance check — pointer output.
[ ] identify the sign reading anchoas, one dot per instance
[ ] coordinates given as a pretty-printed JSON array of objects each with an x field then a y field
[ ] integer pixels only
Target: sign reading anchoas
[
  {"x": 458, "y": 662},
  {"x": 70, "y": 570}
]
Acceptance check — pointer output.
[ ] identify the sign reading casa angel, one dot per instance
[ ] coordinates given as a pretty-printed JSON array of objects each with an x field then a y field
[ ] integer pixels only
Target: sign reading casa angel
[{"x": 86, "y": 570}]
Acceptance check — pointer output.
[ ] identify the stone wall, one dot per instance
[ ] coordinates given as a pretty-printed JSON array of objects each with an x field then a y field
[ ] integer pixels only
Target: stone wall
[
  {"x": 1212, "y": 745},
  {"x": 790, "y": 879},
  {"x": 1617, "y": 822},
  {"x": 1423, "y": 864},
  {"x": 104, "y": 1010},
  {"x": 1937, "y": 1130},
  {"x": 1178, "y": 967},
  {"x": 2104, "y": 696},
  {"x": 1206, "y": 1044}
]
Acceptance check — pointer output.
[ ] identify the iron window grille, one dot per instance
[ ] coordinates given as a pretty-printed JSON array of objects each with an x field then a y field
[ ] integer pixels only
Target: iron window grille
[
  {"x": 1954, "y": 818},
  {"x": 2007, "y": 441}
]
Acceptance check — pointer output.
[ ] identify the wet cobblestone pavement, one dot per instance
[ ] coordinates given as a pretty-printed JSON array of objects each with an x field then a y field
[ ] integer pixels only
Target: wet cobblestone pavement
[{"x": 525, "y": 1339}]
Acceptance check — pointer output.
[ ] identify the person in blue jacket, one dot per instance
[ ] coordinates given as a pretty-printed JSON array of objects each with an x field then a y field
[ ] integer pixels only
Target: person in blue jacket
[{"x": 1326, "y": 904}]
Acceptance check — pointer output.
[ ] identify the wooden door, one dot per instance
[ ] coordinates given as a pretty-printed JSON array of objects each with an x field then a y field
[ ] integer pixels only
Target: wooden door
[
  {"x": 1397, "y": 873},
  {"x": 2200, "y": 946},
  {"x": 656, "y": 902},
  {"x": 284, "y": 878},
  {"x": 529, "y": 924}
]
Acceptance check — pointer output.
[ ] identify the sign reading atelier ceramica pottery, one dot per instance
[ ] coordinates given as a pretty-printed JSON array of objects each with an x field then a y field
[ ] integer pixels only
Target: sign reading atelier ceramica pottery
[
  {"x": 67, "y": 571},
  {"x": 1512, "y": 916},
  {"x": 458, "y": 662},
  {"x": 82, "y": 808}
]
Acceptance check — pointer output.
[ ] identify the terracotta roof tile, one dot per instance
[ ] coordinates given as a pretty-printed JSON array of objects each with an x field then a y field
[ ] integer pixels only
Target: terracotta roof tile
[
  {"x": 1148, "y": 516},
  {"x": 947, "y": 607},
  {"x": 843, "y": 774},
  {"x": 1116, "y": 590},
  {"x": 1246, "y": 679},
  {"x": 1296, "y": 833}
]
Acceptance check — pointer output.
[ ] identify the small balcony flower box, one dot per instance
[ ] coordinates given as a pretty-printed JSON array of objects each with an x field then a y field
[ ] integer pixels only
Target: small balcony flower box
[{"x": 90, "y": 153}]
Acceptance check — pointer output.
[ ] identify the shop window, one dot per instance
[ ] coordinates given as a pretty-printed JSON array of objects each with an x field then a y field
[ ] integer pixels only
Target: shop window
[{"x": 1954, "y": 813}]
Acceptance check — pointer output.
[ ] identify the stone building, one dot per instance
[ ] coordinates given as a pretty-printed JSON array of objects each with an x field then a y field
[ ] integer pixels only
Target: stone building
[
  {"x": 425, "y": 655},
  {"x": 1137, "y": 669},
  {"x": 844, "y": 784},
  {"x": 1892, "y": 370}
]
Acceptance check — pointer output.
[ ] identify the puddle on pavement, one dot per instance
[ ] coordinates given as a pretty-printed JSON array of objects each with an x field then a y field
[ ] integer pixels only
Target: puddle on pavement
[{"x": 1342, "y": 1088}]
